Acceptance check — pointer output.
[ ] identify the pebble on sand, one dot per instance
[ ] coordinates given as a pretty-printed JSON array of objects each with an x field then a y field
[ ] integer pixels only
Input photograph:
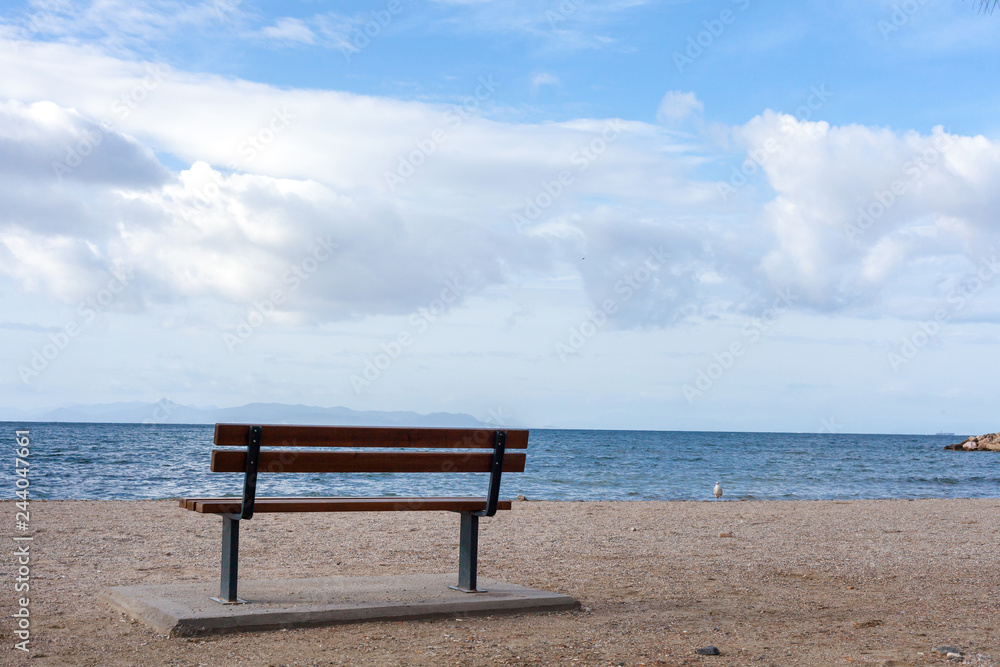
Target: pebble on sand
[{"x": 707, "y": 650}]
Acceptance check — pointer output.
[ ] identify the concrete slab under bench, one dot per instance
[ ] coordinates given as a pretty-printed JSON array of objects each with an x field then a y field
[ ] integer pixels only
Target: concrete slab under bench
[{"x": 187, "y": 609}]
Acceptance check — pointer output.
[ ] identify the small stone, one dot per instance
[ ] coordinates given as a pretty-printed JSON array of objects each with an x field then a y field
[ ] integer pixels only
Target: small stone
[
  {"x": 633, "y": 529},
  {"x": 954, "y": 656},
  {"x": 521, "y": 496},
  {"x": 725, "y": 534},
  {"x": 707, "y": 650},
  {"x": 944, "y": 650}
]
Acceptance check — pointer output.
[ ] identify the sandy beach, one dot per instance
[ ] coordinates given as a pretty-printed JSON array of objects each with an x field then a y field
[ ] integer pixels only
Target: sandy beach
[{"x": 798, "y": 583}]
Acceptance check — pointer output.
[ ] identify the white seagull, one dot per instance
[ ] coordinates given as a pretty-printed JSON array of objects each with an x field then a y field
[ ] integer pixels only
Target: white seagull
[{"x": 717, "y": 490}]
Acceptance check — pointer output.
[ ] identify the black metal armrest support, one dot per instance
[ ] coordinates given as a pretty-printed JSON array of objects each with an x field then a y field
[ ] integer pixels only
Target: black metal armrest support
[
  {"x": 468, "y": 548},
  {"x": 231, "y": 523},
  {"x": 250, "y": 479},
  {"x": 496, "y": 470}
]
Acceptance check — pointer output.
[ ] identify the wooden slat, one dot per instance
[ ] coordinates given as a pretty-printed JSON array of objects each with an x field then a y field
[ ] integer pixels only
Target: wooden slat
[
  {"x": 392, "y": 504},
  {"x": 234, "y": 460},
  {"x": 280, "y": 435}
]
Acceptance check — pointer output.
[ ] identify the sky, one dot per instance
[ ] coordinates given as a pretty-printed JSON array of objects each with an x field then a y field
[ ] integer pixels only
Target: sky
[{"x": 727, "y": 215}]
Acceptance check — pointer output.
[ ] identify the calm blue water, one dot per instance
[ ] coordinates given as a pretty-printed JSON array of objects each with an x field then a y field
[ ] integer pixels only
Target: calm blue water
[{"x": 132, "y": 461}]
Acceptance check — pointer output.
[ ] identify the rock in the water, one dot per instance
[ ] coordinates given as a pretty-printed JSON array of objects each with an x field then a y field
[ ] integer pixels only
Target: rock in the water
[
  {"x": 707, "y": 650},
  {"x": 978, "y": 443}
]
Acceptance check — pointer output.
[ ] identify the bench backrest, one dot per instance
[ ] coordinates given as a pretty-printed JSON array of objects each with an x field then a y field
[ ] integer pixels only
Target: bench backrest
[{"x": 354, "y": 452}]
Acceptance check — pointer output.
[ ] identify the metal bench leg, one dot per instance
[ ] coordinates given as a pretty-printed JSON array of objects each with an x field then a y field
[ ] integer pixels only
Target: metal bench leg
[
  {"x": 468, "y": 554},
  {"x": 230, "y": 561}
]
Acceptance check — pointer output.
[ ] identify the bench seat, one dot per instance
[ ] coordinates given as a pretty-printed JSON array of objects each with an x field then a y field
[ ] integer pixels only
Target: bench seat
[{"x": 385, "y": 504}]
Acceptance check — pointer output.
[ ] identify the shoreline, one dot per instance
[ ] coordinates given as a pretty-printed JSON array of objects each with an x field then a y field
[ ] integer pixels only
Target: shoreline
[
  {"x": 711, "y": 501},
  {"x": 800, "y": 582}
]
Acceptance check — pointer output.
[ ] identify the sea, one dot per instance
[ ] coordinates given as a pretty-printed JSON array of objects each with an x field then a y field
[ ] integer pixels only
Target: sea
[{"x": 140, "y": 461}]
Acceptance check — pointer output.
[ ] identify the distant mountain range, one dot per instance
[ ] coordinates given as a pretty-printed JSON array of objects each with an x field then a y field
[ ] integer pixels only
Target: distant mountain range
[{"x": 165, "y": 411}]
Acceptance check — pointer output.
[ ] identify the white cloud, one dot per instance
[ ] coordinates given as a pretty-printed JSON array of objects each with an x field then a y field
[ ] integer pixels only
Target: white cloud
[
  {"x": 677, "y": 106},
  {"x": 338, "y": 31},
  {"x": 544, "y": 79},
  {"x": 121, "y": 26},
  {"x": 289, "y": 30},
  {"x": 313, "y": 164},
  {"x": 857, "y": 208},
  {"x": 231, "y": 238},
  {"x": 568, "y": 25},
  {"x": 61, "y": 175}
]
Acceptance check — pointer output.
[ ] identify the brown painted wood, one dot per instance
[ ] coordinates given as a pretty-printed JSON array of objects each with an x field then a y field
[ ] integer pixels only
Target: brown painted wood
[
  {"x": 392, "y": 504},
  {"x": 234, "y": 460},
  {"x": 281, "y": 435}
]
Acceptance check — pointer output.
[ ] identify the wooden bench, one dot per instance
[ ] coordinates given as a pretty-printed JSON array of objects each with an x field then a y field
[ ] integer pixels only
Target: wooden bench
[{"x": 452, "y": 451}]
